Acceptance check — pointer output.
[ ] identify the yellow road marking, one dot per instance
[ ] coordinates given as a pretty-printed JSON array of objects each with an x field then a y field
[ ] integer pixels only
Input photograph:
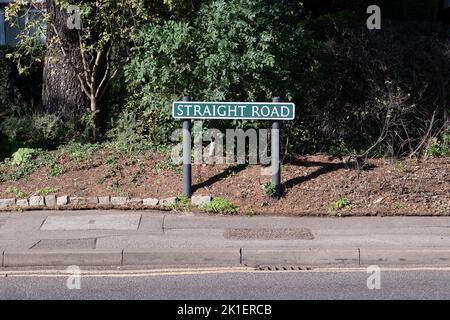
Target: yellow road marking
[{"x": 198, "y": 271}]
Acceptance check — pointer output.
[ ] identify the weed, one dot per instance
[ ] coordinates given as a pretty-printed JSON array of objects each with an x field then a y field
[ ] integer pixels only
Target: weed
[
  {"x": 116, "y": 186},
  {"x": 401, "y": 165},
  {"x": 46, "y": 191},
  {"x": 56, "y": 170},
  {"x": 79, "y": 152},
  {"x": 135, "y": 176},
  {"x": 270, "y": 189},
  {"x": 340, "y": 204},
  {"x": 19, "y": 194},
  {"x": 165, "y": 165},
  {"x": 398, "y": 205},
  {"x": 248, "y": 211},
  {"x": 101, "y": 180},
  {"x": 182, "y": 203},
  {"x": 221, "y": 206}
]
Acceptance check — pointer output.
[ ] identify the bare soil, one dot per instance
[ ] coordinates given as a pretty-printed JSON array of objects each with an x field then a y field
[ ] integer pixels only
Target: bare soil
[{"x": 311, "y": 184}]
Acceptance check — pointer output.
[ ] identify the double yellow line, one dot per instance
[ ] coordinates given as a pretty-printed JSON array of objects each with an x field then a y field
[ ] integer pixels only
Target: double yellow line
[{"x": 196, "y": 271}]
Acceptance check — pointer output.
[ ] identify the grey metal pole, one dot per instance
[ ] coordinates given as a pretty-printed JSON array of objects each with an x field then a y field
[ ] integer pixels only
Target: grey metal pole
[
  {"x": 275, "y": 146},
  {"x": 187, "y": 166}
]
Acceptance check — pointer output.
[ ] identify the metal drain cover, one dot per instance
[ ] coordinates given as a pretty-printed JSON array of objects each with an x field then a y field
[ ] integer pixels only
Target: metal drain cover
[
  {"x": 61, "y": 244},
  {"x": 269, "y": 234},
  {"x": 282, "y": 268}
]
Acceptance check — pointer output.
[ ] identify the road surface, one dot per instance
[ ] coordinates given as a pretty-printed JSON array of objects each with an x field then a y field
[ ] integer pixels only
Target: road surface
[{"x": 240, "y": 283}]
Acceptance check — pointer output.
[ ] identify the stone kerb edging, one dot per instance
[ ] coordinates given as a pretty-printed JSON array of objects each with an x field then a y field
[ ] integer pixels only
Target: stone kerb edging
[{"x": 67, "y": 202}]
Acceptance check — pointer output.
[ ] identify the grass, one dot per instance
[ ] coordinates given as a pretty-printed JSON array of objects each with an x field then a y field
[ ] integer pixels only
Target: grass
[
  {"x": 220, "y": 206},
  {"x": 46, "y": 191}
]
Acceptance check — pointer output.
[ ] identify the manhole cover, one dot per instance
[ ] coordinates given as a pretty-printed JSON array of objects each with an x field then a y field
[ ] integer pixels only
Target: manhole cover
[
  {"x": 56, "y": 244},
  {"x": 269, "y": 234}
]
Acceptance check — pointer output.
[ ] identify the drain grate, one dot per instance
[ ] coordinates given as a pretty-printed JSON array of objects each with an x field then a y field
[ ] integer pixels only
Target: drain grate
[
  {"x": 282, "y": 268},
  {"x": 269, "y": 234}
]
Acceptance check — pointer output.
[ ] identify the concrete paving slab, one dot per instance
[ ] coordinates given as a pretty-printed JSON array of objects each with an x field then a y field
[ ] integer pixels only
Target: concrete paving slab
[
  {"x": 168, "y": 258},
  {"x": 92, "y": 222},
  {"x": 408, "y": 257},
  {"x": 18, "y": 224},
  {"x": 61, "y": 258},
  {"x": 336, "y": 225},
  {"x": 312, "y": 257}
]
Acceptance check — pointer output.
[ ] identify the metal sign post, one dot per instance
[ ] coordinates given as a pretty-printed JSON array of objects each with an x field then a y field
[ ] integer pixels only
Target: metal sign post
[
  {"x": 187, "y": 165},
  {"x": 274, "y": 111},
  {"x": 275, "y": 145}
]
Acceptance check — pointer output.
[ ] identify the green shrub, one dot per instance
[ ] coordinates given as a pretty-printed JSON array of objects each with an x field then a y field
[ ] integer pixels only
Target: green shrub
[
  {"x": 220, "y": 206},
  {"x": 209, "y": 58},
  {"x": 23, "y": 156},
  {"x": 37, "y": 130},
  {"x": 440, "y": 147}
]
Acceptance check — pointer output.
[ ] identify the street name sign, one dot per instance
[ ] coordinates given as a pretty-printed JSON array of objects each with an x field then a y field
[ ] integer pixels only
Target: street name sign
[{"x": 233, "y": 110}]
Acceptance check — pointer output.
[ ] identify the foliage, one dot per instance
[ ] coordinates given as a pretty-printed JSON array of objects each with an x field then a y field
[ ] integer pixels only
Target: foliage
[
  {"x": 46, "y": 191},
  {"x": 270, "y": 189},
  {"x": 382, "y": 91},
  {"x": 439, "y": 147},
  {"x": 127, "y": 136},
  {"x": 341, "y": 203},
  {"x": 19, "y": 194},
  {"x": 18, "y": 94},
  {"x": 23, "y": 156},
  {"x": 22, "y": 163},
  {"x": 220, "y": 206},
  {"x": 182, "y": 203},
  {"x": 209, "y": 58},
  {"x": 80, "y": 151}
]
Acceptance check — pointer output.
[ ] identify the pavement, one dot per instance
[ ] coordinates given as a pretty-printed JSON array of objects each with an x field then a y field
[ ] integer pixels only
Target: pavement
[{"x": 157, "y": 239}]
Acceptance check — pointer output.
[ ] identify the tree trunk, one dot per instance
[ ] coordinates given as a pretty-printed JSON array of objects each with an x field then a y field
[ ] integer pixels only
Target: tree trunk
[{"x": 62, "y": 93}]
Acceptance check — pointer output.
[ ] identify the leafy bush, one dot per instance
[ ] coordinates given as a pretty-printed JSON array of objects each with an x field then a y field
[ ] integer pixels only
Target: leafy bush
[
  {"x": 209, "y": 58},
  {"x": 439, "y": 147},
  {"x": 220, "y": 206},
  {"x": 37, "y": 131},
  {"x": 23, "y": 156},
  {"x": 19, "y": 94},
  {"x": 375, "y": 88},
  {"x": 21, "y": 165}
]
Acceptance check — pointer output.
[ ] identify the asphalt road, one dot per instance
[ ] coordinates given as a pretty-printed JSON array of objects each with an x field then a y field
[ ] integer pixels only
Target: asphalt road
[{"x": 192, "y": 284}]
